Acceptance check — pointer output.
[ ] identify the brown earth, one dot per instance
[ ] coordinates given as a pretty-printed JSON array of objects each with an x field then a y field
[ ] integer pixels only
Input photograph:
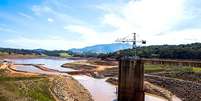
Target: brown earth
[
  {"x": 162, "y": 86},
  {"x": 185, "y": 90},
  {"x": 25, "y": 86},
  {"x": 148, "y": 88},
  {"x": 68, "y": 89},
  {"x": 98, "y": 69}
]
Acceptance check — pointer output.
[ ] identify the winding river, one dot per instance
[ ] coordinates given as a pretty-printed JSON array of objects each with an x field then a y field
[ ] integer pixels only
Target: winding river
[{"x": 99, "y": 89}]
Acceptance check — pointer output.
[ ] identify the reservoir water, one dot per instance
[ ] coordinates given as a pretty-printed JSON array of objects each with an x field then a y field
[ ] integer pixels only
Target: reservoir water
[
  {"x": 49, "y": 63},
  {"x": 103, "y": 91},
  {"x": 99, "y": 89}
]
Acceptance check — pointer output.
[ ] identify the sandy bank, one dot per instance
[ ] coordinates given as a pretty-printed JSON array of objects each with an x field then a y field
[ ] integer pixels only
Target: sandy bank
[
  {"x": 61, "y": 88},
  {"x": 68, "y": 89}
]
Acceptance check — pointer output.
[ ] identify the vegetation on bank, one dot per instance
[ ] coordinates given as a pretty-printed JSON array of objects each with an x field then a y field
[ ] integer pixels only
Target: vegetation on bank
[
  {"x": 6, "y": 52},
  {"x": 178, "y": 72},
  {"x": 151, "y": 68},
  {"x": 24, "y": 88}
]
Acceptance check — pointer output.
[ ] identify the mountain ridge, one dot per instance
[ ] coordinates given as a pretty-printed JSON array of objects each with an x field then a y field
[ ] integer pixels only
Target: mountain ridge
[{"x": 101, "y": 48}]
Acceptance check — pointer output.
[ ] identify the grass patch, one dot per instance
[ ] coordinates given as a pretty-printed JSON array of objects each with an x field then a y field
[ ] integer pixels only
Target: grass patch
[
  {"x": 39, "y": 90},
  {"x": 184, "y": 69},
  {"x": 196, "y": 70},
  {"x": 101, "y": 62},
  {"x": 64, "y": 55},
  {"x": 4, "y": 78},
  {"x": 150, "y": 68},
  {"x": 179, "y": 72},
  {"x": 34, "y": 88},
  {"x": 31, "y": 88},
  {"x": 77, "y": 66}
]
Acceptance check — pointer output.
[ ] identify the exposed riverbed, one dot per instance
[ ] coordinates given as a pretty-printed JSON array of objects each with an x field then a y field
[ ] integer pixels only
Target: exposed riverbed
[{"x": 99, "y": 89}]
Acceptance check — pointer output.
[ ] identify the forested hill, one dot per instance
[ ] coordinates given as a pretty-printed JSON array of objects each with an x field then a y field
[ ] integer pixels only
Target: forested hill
[
  {"x": 183, "y": 51},
  {"x": 36, "y": 52},
  {"x": 101, "y": 48}
]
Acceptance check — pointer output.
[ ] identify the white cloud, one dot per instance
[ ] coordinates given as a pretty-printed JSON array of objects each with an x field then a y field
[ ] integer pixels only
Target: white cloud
[
  {"x": 9, "y": 30},
  {"x": 84, "y": 30},
  {"x": 146, "y": 16},
  {"x": 175, "y": 37},
  {"x": 58, "y": 13},
  {"x": 50, "y": 43},
  {"x": 50, "y": 20},
  {"x": 41, "y": 9},
  {"x": 25, "y": 15},
  {"x": 149, "y": 18}
]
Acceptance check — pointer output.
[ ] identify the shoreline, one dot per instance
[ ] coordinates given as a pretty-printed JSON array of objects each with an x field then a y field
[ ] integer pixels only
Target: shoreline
[
  {"x": 47, "y": 69},
  {"x": 104, "y": 71},
  {"x": 65, "y": 81},
  {"x": 163, "y": 84}
]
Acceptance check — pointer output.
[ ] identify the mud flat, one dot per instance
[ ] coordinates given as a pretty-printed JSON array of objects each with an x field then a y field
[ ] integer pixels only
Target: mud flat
[
  {"x": 99, "y": 69},
  {"x": 99, "y": 88},
  {"x": 103, "y": 91},
  {"x": 26, "y": 86},
  {"x": 111, "y": 70}
]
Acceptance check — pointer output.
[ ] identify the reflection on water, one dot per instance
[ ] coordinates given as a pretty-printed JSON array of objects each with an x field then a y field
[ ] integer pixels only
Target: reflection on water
[{"x": 50, "y": 63}]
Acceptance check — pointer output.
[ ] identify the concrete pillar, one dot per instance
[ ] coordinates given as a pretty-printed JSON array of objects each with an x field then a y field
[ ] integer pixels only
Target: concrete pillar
[{"x": 131, "y": 80}]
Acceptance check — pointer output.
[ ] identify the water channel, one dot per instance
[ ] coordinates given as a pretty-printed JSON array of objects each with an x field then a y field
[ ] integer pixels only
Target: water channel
[{"x": 99, "y": 89}]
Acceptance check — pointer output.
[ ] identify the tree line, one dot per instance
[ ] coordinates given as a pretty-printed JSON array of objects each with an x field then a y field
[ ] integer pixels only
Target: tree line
[
  {"x": 38, "y": 52},
  {"x": 182, "y": 51}
]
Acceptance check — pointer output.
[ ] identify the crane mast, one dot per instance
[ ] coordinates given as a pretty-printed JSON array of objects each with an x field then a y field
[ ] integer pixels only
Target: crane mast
[{"x": 134, "y": 42}]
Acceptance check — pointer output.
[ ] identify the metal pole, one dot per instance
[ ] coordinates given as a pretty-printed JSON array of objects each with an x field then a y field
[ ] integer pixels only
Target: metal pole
[{"x": 134, "y": 44}]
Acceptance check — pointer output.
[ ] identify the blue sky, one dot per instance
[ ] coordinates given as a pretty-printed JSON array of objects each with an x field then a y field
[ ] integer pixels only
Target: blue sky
[{"x": 64, "y": 24}]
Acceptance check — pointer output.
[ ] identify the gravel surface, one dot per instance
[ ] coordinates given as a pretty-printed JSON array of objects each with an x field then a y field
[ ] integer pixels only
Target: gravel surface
[
  {"x": 185, "y": 90},
  {"x": 68, "y": 89}
]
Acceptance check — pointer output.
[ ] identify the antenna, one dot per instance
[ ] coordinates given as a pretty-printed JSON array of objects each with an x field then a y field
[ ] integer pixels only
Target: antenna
[{"x": 133, "y": 40}]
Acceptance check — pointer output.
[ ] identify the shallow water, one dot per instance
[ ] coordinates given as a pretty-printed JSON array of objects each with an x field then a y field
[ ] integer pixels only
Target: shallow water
[
  {"x": 29, "y": 69},
  {"x": 99, "y": 89},
  {"x": 33, "y": 69},
  {"x": 103, "y": 91},
  {"x": 50, "y": 63}
]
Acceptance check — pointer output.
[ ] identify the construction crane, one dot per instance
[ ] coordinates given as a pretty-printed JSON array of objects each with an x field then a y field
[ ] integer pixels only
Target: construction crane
[{"x": 133, "y": 41}]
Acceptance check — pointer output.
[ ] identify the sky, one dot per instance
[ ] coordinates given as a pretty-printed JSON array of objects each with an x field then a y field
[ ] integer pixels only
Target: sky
[{"x": 65, "y": 24}]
